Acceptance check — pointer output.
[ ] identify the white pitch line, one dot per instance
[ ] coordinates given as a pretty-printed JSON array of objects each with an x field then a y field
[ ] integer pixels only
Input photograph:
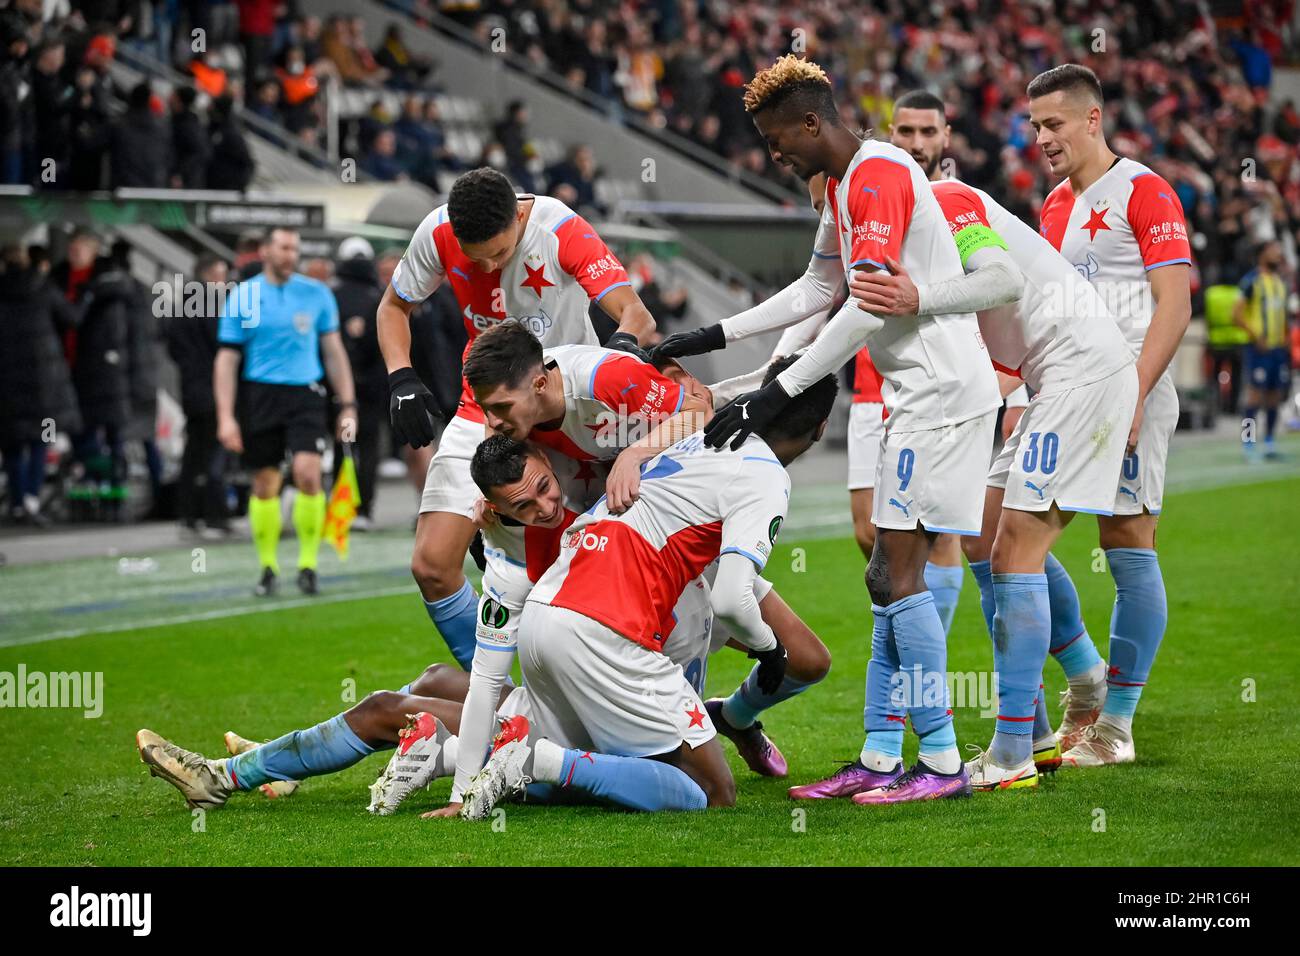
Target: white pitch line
[{"x": 214, "y": 615}]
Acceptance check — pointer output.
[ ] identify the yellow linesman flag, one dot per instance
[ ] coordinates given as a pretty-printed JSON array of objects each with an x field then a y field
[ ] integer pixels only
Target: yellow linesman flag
[{"x": 345, "y": 497}]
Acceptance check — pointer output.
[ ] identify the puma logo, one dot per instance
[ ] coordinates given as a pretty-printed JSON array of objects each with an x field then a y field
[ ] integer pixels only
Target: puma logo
[
  {"x": 1130, "y": 492},
  {"x": 902, "y": 507},
  {"x": 1033, "y": 487},
  {"x": 402, "y": 398},
  {"x": 744, "y": 410}
]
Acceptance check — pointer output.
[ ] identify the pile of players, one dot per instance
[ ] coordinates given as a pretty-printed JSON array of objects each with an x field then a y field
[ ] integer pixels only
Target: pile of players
[{"x": 627, "y": 509}]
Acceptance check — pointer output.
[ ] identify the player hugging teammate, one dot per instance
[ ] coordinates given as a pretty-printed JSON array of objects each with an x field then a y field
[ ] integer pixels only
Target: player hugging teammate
[{"x": 611, "y": 553}]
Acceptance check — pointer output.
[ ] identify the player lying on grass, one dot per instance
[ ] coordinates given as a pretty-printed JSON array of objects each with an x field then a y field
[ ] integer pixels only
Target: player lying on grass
[
  {"x": 592, "y": 635},
  {"x": 535, "y": 511},
  {"x": 589, "y": 403},
  {"x": 1064, "y": 457}
]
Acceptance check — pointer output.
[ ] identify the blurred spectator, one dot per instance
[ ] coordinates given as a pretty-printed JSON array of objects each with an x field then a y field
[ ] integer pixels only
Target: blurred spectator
[
  {"x": 208, "y": 76},
  {"x": 248, "y": 254},
  {"x": 422, "y": 142},
  {"x": 144, "y": 348},
  {"x": 512, "y": 133},
  {"x": 99, "y": 354},
  {"x": 36, "y": 396},
  {"x": 382, "y": 162},
  {"x": 90, "y": 128},
  {"x": 299, "y": 88},
  {"x": 140, "y": 143},
  {"x": 230, "y": 165},
  {"x": 577, "y": 172},
  {"x": 190, "y": 144},
  {"x": 256, "y": 28},
  {"x": 344, "y": 45},
  {"x": 406, "y": 70},
  {"x": 192, "y": 344},
  {"x": 14, "y": 91},
  {"x": 667, "y": 303},
  {"x": 356, "y": 289},
  {"x": 51, "y": 103}
]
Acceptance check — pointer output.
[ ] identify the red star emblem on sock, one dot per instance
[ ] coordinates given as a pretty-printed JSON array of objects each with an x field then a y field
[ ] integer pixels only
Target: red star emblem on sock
[
  {"x": 696, "y": 715},
  {"x": 1096, "y": 222},
  {"x": 1113, "y": 671},
  {"x": 536, "y": 280}
]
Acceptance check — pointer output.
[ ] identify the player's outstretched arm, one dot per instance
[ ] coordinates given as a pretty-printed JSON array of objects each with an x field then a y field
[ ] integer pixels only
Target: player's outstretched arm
[
  {"x": 635, "y": 323},
  {"x": 623, "y": 485},
  {"x": 991, "y": 278},
  {"x": 808, "y": 299},
  {"x": 496, "y": 634}
]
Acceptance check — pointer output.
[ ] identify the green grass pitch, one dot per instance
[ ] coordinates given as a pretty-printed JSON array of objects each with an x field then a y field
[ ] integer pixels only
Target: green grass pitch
[{"x": 1212, "y": 785}]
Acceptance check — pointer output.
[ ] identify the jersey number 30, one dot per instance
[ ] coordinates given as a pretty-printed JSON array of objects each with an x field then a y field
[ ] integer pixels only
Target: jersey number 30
[{"x": 1046, "y": 461}]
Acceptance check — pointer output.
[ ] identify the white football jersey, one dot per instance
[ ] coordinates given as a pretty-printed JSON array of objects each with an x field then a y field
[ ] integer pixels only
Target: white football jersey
[
  {"x": 935, "y": 365},
  {"x": 1060, "y": 334},
  {"x": 611, "y": 400},
  {"x": 1127, "y": 223},
  {"x": 559, "y": 266},
  {"x": 627, "y": 571}
]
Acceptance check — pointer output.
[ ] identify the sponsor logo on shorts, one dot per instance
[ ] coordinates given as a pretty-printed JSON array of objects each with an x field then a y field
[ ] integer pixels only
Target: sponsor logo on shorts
[
  {"x": 903, "y": 507},
  {"x": 1033, "y": 487}
]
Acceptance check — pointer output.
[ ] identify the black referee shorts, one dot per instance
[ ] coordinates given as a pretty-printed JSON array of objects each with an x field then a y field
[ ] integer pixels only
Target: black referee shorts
[{"x": 280, "y": 418}]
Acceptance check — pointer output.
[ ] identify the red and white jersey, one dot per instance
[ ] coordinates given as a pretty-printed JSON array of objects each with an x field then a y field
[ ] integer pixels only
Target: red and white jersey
[
  {"x": 1127, "y": 223},
  {"x": 627, "y": 571},
  {"x": 559, "y": 265},
  {"x": 936, "y": 366},
  {"x": 611, "y": 400},
  {"x": 1060, "y": 334},
  {"x": 531, "y": 549}
]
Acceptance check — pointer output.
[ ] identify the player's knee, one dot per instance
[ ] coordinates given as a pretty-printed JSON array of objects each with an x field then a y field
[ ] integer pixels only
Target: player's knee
[
  {"x": 878, "y": 583},
  {"x": 432, "y": 680},
  {"x": 720, "y": 791},
  {"x": 811, "y": 663},
  {"x": 435, "y": 578},
  {"x": 376, "y": 704}
]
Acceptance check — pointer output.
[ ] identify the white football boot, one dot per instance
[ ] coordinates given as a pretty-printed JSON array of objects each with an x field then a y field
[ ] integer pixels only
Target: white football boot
[
  {"x": 986, "y": 775},
  {"x": 1099, "y": 745},
  {"x": 205, "y": 784},
  {"x": 412, "y": 765},
  {"x": 503, "y": 774},
  {"x": 236, "y": 745},
  {"x": 1082, "y": 707}
]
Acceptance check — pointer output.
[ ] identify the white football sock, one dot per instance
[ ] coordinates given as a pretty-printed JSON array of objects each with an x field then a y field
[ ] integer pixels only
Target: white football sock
[
  {"x": 548, "y": 762},
  {"x": 877, "y": 761},
  {"x": 1087, "y": 682},
  {"x": 944, "y": 761}
]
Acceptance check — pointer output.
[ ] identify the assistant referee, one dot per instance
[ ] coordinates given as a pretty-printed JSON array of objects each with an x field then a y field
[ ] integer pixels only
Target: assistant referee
[{"x": 285, "y": 324}]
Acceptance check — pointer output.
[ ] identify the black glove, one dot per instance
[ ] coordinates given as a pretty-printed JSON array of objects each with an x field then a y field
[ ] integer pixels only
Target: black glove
[
  {"x": 695, "y": 342},
  {"x": 747, "y": 413},
  {"x": 626, "y": 342},
  {"x": 411, "y": 409},
  {"x": 771, "y": 668}
]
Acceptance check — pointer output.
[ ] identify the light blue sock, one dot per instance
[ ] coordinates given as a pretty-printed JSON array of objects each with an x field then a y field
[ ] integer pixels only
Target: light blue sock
[
  {"x": 1136, "y": 626},
  {"x": 456, "y": 618},
  {"x": 923, "y": 653},
  {"x": 633, "y": 782},
  {"x": 945, "y": 584},
  {"x": 1042, "y": 723},
  {"x": 325, "y": 748},
  {"x": 983, "y": 572},
  {"x": 742, "y": 708},
  {"x": 885, "y": 714},
  {"x": 1021, "y": 634},
  {"x": 1071, "y": 645}
]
